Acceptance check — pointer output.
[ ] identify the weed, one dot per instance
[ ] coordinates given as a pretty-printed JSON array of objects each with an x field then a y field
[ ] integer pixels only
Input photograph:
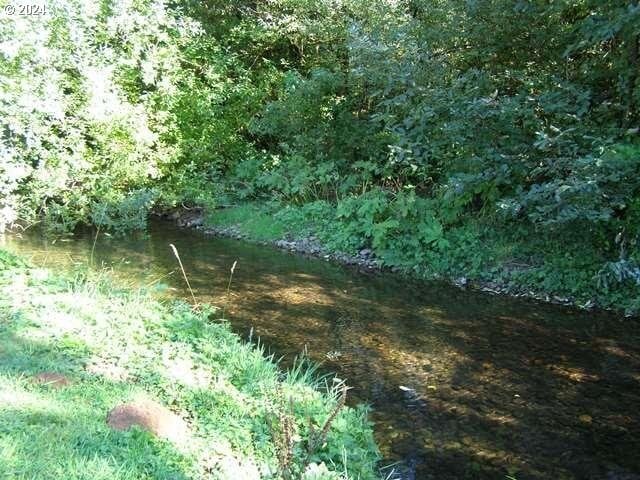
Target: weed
[
  {"x": 285, "y": 433},
  {"x": 317, "y": 438},
  {"x": 184, "y": 274},
  {"x": 233, "y": 268}
]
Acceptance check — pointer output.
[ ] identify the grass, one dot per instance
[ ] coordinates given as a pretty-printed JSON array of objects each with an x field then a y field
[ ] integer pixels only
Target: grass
[
  {"x": 255, "y": 221},
  {"x": 118, "y": 345}
]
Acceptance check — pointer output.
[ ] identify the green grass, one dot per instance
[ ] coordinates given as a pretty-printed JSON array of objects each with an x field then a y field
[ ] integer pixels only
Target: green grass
[
  {"x": 119, "y": 345},
  {"x": 254, "y": 220}
]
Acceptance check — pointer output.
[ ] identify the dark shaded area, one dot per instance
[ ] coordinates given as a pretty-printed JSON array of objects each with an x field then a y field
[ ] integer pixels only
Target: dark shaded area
[{"x": 463, "y": 385}]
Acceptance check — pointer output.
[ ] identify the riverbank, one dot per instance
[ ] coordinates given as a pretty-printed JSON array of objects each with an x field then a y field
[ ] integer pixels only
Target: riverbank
[
  {"x": 98, "y": 381},
  {"x": 475, "y": 257}
]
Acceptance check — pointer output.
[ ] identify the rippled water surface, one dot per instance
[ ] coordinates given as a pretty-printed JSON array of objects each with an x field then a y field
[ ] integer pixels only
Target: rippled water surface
[{"x": 462, "y": 384}]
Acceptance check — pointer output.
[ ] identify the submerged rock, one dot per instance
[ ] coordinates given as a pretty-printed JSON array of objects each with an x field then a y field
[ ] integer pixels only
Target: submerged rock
[{"x": 184, "y": 217}]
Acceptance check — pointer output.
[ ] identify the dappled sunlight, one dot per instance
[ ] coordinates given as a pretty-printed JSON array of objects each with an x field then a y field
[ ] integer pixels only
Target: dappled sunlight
[
  {"x": 110, "y": 370},
  {"x": 16, "y": 291},
  {"x": 573, "y": 374},
  {"x": 58, "y": 322},
  {"x": 290, "y": 293},
  {"x": 491, "y": 145},
  {"x": 611, "y": 347},
  {"x": 220, "y": 457},
  {"x": 179, "y": 367},
  {"x": 127, "y": 369}
]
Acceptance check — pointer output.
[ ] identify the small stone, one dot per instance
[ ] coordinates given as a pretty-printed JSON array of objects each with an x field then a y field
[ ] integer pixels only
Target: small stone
[{"x": 461, "y": 281}]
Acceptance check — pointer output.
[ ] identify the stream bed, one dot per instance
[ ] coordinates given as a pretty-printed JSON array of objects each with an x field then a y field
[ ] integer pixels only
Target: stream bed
[{"x": 462, "y": 384}]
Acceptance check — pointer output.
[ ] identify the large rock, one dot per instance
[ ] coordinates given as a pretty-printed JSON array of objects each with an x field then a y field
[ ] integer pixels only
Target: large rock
[{"x": 150, "y": 416}]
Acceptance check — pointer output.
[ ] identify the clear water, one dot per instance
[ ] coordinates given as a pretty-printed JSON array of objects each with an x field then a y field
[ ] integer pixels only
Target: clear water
[{"x": 462, "y": 384}]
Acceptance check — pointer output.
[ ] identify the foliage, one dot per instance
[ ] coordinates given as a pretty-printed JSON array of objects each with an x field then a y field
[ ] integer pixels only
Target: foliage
[
  {"x": 102, "y": 102},
  {"x": 73, "y": 135}
]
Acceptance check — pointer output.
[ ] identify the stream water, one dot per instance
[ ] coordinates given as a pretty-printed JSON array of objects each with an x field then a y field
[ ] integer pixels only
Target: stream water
[{"x": 462, "y": 384}]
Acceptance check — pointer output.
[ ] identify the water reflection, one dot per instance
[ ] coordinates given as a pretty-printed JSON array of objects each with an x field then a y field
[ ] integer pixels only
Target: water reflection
[{"x": 463, "y": 385}]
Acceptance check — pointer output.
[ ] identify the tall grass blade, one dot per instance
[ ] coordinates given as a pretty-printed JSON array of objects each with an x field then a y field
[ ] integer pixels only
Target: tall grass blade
[
  {"x": 184, "y": 274},
  {"x": 233, "y": 269}
]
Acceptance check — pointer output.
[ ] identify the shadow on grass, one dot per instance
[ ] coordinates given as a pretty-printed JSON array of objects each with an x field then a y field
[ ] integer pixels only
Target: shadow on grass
[{"x": 48, "y": 432}]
